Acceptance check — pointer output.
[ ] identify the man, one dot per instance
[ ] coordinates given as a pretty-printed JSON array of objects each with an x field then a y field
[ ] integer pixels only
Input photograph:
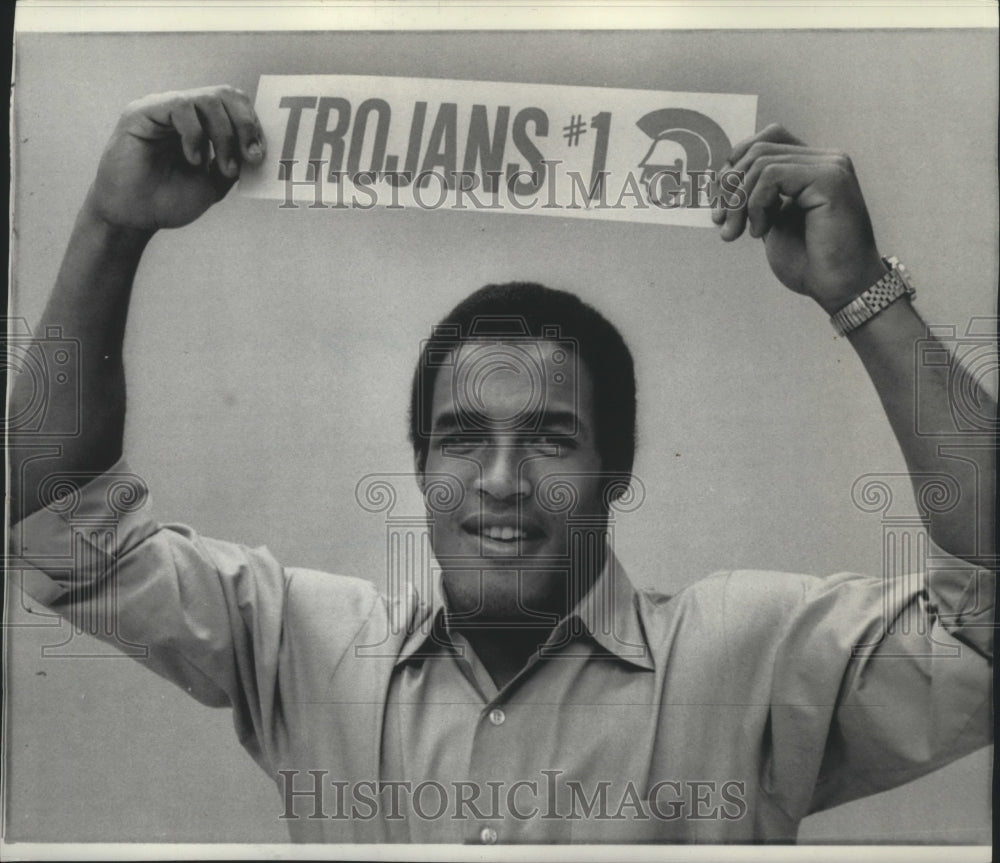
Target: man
[{"x": 532, "y": 695}]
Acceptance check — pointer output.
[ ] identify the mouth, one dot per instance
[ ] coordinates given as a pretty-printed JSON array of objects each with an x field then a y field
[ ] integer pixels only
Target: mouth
[
  {"x": 501, "y": 534},
  {"x": 504, "y": 534}
]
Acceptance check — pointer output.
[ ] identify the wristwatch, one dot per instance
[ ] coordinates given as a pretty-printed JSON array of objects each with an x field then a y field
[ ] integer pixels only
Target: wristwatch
[{"x": 893, "y": 285}]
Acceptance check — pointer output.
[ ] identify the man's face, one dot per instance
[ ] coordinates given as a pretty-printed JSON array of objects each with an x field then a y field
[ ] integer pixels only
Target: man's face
[{"x": 512, "y": 425}]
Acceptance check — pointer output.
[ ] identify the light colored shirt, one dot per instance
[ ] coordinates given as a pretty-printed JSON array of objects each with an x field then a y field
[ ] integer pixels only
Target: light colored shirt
[{"x": 726, "y": 713}]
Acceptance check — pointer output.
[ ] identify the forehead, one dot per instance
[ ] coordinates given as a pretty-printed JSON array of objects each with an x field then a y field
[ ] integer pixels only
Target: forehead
[{"x": 512, "y": 380}]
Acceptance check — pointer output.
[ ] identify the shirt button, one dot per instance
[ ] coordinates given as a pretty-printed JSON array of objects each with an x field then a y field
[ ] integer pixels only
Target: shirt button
[
  {"x": 497, "y": 717},
  {"x": 488, "y": 836}
]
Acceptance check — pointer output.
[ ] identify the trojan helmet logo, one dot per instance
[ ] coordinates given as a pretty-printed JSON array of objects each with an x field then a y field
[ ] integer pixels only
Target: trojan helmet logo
[{"x": 684, "y": 143}]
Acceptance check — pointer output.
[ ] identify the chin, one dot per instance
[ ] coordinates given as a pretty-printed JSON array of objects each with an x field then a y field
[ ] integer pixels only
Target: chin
[{"x": 504, "y": 593}]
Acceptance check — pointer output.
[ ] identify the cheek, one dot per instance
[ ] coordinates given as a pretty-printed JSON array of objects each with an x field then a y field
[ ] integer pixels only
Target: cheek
[
  {"x": 459, "y": 471},
  {"x": 591, "y": 500},
  {"x": 445, "y": 488},
  {"x": 572, "y": 486}
]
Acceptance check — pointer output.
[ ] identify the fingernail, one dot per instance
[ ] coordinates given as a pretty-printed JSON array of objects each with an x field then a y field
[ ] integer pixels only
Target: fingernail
[
  {"x": 254, "y": 151},
  {"x": 232, "y": 166}
]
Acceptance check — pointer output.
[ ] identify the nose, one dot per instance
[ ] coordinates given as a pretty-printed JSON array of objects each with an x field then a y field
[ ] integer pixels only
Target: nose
[{"x": 502, "y": 473}]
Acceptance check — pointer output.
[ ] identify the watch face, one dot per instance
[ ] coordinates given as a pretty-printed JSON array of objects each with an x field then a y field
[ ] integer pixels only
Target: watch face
[
  {"x": 893, "y": 263},
  {"x": 904, "y": 274}
]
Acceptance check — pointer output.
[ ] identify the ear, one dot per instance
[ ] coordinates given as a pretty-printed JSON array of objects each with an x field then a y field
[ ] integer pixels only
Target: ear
[{"x": 419, "y": 469}]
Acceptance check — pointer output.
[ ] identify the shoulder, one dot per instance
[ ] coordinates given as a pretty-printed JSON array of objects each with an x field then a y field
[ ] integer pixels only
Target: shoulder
[
  {"x": 727, "y": 609},
  {"x": 735, "y": 591},
  {"x": 330, "y": 591},
  {"x": 331, "y": 599}
]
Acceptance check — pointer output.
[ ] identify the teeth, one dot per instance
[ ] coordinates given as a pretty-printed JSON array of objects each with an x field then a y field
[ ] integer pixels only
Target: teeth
[{"x": 504, "y": 534}]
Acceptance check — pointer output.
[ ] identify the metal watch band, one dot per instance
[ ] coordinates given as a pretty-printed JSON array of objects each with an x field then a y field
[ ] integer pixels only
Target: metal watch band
[{"x": 893, "y": 285}]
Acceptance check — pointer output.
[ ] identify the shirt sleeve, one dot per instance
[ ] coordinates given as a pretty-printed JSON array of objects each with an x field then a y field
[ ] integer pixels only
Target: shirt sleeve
[
  {"x": 205, "y": 614},
  {"x": 880, "y": 681}
]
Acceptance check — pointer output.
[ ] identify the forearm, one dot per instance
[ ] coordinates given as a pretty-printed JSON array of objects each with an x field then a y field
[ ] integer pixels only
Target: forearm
[
  {"x": 88, "y": 305},
  {"x": 887, "y": 346}
]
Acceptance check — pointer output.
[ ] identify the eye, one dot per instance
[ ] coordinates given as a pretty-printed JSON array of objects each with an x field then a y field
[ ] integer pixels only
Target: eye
[
  {"x": 461, "y": 443},
  {"x": 548, "y": 440}
]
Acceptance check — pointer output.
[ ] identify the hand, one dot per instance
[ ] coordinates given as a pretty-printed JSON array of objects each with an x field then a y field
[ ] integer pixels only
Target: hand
[
  {"x": 807, "y": 206},
  {"x": 173, "y": 155}
]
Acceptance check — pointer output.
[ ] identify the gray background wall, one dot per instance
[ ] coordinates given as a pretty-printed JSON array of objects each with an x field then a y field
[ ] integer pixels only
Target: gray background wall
[{"x": 269, "y": 355}]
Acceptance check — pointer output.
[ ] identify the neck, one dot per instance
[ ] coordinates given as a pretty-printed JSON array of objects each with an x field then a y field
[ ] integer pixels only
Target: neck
[
  {"x": 504, "y": 651},
  {"x": 506, "y": 615}
]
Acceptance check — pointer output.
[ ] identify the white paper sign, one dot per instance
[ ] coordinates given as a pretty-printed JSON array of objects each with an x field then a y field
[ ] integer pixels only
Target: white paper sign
[{"x": 343, "y": 141}]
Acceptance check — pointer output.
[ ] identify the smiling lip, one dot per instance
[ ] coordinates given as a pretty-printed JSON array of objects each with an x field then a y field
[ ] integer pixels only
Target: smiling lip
[{"x": 501, "y": 530}]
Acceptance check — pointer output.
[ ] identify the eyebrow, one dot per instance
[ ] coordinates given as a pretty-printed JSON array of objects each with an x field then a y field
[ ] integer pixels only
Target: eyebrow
[{"x": 561, "y": 421}]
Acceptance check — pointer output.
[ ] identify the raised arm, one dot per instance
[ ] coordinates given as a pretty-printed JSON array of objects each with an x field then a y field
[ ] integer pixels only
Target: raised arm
[
  {"x": 170, "y": 157},
  {"x": 807, "y": 207}
]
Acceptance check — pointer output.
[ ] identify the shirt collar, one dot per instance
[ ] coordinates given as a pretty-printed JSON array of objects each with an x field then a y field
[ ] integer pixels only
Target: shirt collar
[{"x": 608, "y": 613}]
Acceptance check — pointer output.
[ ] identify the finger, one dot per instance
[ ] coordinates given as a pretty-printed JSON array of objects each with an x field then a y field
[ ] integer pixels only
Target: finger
[
  {"x": 773, "y": 133},
  {"x": 733, "y": 221},
  {"x": 184, "y": 119},
  {"x": 719, "y": 202},
  {"x": 798, "y": 157},
  {"x": 730, "y": 213},
  {"x": 243, "y": 118},
  {"x": 776, "y": 180},
  {"x": 759, "y": 157},
  {"x": 220, "y": 181},
  {"x": 165, "y": 115},
  {"x": 215, "y": 120},
  {"x": 727, "y": 194},
  {"x": 768, "y": 148},
  {"x": 718, "y": 210}
]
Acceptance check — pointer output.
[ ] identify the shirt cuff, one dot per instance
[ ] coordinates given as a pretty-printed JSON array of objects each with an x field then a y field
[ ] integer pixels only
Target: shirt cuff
[
  {"x": 71, "y": 542},
  {"x": 963, "y": 595}
]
